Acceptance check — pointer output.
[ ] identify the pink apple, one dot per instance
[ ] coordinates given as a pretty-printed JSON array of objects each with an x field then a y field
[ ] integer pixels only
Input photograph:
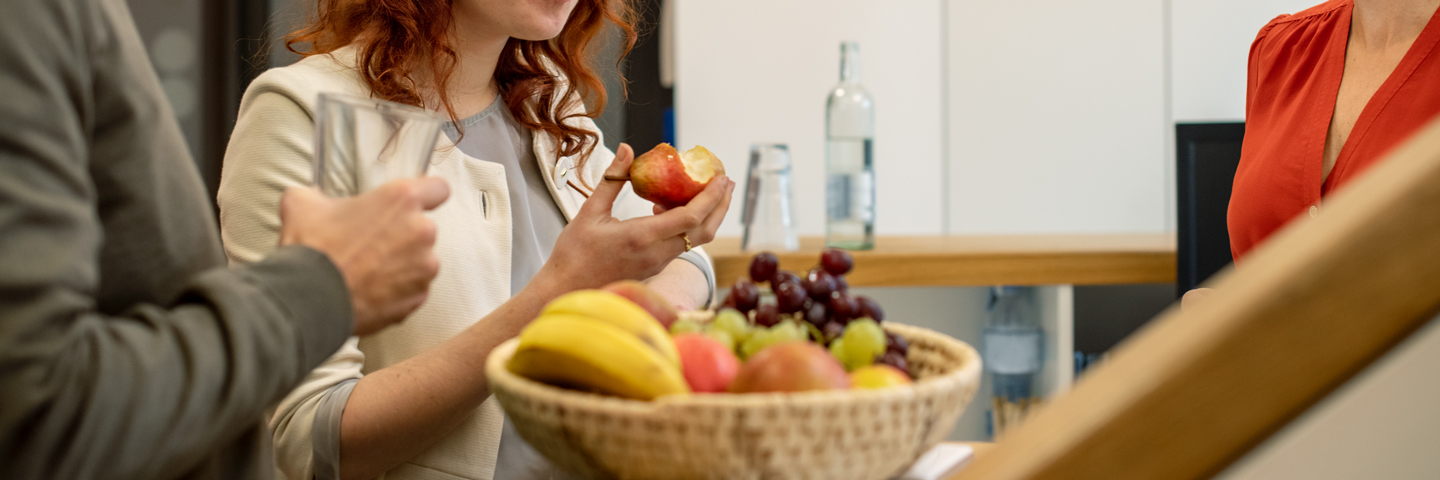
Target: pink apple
[
  {"x": 791, "y": 366},
  {"x": 646, "y": 298},
  {"x": 707, "y": 364}
]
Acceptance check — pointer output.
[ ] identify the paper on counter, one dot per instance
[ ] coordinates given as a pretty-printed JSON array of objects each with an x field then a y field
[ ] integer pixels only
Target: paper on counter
[{"x": 940, "y": 460}]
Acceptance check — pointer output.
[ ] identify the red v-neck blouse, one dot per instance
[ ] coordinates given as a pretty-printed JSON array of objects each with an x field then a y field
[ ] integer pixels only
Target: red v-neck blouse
[{"x": 1295, "y": 67}]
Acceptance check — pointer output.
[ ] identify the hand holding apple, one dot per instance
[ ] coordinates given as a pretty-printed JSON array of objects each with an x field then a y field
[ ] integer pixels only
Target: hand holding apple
[{"x": 596, "y": 248}]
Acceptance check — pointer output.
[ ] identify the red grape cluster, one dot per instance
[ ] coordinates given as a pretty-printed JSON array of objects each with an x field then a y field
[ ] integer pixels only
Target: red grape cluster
[{"x": 821, "y": 298}]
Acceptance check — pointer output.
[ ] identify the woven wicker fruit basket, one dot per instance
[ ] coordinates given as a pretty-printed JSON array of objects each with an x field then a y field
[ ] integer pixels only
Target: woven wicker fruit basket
[{"x": 845, "y": 434}]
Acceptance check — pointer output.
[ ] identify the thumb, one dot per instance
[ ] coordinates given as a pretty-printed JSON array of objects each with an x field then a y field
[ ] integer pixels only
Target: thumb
[
  {"x": 299, "y": 199},
  {"x": 602, "y": 200},
  {"x": 295, "y": 204},
  {"x": 433, "y": 191}
]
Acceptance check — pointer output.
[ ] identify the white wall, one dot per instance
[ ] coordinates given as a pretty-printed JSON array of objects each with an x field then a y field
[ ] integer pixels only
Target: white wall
[
  {"x": 759, "y": 70},
  {"x": 1057, "y": 118},
  {"x": 1028, "y": 116},
  {"x": 1210, "y": 44}
]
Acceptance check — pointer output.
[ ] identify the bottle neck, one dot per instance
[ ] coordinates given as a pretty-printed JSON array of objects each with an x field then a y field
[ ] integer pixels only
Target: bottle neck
[{"x": 849, "y": 62}]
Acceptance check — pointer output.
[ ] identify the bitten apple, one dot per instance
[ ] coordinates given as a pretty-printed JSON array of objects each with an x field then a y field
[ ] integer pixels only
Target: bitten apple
[
  {"x": 646, "y": 298},
  {"x": 669, "y": 178}
]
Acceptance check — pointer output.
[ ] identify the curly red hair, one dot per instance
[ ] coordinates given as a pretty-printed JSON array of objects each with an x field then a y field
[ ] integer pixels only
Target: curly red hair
[{"x": 397, "y": 38}]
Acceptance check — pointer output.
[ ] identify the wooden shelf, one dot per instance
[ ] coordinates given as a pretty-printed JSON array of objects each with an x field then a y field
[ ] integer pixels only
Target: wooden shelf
[{"x": 980, "y": 260}]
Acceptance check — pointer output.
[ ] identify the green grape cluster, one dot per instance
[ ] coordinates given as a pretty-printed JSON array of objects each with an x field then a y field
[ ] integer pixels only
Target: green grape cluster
[
  {"x": 686, "y": 325},
  {"x": 763, "y": 337},
  {"x": 862, "y": 342},
  {"x": 733, "y": 323}
]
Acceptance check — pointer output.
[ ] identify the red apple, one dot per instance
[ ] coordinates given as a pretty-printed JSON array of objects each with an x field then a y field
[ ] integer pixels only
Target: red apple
[
  {"x": 647, "y": 299},
  {"x": 792, "y": 366},
  {"x": 707, "y": 364},
  {"x": 671, "y": 179}
]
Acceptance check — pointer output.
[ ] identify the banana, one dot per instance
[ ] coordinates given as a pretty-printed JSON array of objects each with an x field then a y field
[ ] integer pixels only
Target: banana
[
  {"x": 620, "y": 312},
  {"x": 583, "y": 353}
]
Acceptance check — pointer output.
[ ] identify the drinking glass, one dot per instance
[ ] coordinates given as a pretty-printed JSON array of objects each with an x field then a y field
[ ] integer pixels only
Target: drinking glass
[
  {"x": 361, "y": 143},
  {"x": 767, "y": 212}
]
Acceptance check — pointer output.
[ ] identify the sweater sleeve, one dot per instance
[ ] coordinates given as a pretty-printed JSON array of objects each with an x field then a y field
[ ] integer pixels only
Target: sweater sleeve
[
  {"x": 269, "y": 151},
  {"x": 157, "y": 388}
]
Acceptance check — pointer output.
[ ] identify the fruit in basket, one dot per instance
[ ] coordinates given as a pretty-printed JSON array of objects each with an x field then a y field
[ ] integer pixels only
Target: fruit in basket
[
  {"x": 708, "y": 366},
  {"x": 767, "y": 315},
  {"x": 669, "y": 178},
  {"x": 618, "y": 311},
  {"x": 817, "y": 314},
  {"x": 869, "y": 308},
  {"x": 732, "y": 322},
  {"x": 763, "y": 267},
  {"x": 722, "y": 337},
  {"x": 896, "y": 343},
  {"x": 785, "y": 276},
  {"x": 862, "y": 342},
  {"x": 832, "y": 331},
  {"x": 836, "y": 261},
  {"x": 821, "y": 284},
  {"x": 647, "y": 299},
  {"x": 789, "y": 297},
  {"x": 585, "y": 353},
  {"x": 894, "y": 359},
  {"x": 686, "y": 325},
  {"x": 765, "y": 337},
  {"x": 793, "y": 366},
  {"x": 878, "y": 376},
  {"x": 745, "y": 294},
  {"x": 844, "y": 307}
]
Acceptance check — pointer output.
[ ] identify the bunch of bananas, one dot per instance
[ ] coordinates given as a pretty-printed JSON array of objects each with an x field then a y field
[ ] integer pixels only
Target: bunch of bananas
[{"x": 598, "y": 341}]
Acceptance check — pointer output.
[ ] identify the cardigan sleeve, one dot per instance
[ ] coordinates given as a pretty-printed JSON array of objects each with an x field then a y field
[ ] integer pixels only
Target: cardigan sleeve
[{"x": 269, "y": 151}]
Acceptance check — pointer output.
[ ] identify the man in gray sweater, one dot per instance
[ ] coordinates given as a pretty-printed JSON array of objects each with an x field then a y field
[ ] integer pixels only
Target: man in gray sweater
[{"x": 127, "y": 348}]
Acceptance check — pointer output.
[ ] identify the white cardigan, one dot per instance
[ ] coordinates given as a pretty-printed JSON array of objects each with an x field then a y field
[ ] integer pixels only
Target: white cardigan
[{"x": 271, "y": 149}]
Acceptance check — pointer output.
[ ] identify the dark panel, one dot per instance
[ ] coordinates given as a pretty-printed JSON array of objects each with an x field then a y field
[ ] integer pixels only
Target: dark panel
[
  {"x": 1106, "y": 314},
  {"x": 650, "y": 102},
  {"x": 1206, "y": 158}
]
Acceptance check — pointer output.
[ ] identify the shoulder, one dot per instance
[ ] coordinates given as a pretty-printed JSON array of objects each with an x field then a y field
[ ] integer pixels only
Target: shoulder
[
  {"x": 307, "y": 78},
  {"x": 1300, "y": 28}
]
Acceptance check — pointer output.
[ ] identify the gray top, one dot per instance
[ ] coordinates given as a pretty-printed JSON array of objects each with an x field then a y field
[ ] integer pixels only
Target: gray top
[
  {"x": 127, "y": 348},
  {"x": 492, "y": 135}
]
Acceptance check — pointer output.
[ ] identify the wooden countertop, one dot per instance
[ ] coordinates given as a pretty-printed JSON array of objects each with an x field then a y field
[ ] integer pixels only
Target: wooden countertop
[{"x": 980, "y": 260}]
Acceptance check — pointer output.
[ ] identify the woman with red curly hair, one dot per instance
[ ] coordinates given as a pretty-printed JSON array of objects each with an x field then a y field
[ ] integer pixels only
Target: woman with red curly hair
[{"x": 530, "y": 216}]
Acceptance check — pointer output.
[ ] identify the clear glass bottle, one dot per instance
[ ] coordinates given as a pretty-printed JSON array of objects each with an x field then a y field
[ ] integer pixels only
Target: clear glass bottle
[
  {"x": 849, "y": 149},
  {"x": 1013, "y": 343}
]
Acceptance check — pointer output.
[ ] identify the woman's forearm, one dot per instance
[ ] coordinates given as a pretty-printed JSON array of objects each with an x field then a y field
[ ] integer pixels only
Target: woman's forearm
[
  {"x": 399, "y": 411},
  {"x": 683, "y": 284}
]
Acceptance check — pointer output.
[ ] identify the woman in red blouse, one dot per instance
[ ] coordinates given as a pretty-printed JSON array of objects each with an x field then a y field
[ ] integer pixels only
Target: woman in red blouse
[{"x": 1330, "y": 91}]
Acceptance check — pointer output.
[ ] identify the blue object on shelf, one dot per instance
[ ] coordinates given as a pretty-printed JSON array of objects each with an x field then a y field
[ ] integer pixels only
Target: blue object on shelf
[{"x": 669, "y": 125}]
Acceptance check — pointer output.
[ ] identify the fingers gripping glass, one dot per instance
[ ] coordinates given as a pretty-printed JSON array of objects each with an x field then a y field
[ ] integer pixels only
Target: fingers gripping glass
[{"x": 362, "y": 143}]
